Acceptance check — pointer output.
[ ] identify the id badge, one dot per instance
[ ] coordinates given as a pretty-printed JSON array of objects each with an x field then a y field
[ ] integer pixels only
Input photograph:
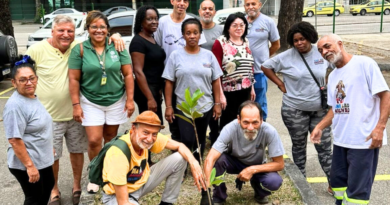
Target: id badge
[{"x": 104, "y": 79}]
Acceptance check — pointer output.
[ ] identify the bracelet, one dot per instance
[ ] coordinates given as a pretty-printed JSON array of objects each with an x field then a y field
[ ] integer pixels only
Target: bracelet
[
  {"x": 76, "y": 104},
  {"x": 217, "y": 103},
  {"x": 168, "y": 107}
]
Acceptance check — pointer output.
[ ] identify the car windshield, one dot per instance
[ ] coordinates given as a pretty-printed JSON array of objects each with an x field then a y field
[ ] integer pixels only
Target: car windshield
[{"x": 49, "y": 24}]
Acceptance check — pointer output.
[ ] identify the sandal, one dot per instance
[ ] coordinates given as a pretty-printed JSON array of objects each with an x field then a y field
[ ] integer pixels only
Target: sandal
[
  {"x": 55, "y": 200},
  {"x": 76, "y": 197}
]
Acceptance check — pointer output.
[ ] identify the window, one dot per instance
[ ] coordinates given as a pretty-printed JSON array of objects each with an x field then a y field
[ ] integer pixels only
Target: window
[
  {"x": 67, "y": 11},
  {"x": 58, "y": 12},
  {"x": 122, "y": 25}
]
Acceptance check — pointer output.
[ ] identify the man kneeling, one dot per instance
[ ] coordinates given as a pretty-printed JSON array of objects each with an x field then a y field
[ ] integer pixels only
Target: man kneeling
[
  {"x": 240, "y": 149},
  {"x": 128, "y": 181}
]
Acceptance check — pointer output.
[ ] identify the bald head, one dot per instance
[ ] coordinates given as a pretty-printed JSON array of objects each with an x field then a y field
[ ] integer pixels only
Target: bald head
[
  {"x": 207, "y": 12},
  {"x": 331, "y": 48}
]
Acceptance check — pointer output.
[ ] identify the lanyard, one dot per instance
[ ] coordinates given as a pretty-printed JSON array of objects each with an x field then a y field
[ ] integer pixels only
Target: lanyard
[{"x": 103, "y": 67}]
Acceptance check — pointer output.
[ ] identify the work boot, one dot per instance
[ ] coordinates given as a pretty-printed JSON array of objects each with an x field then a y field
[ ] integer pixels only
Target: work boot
[
  {"x": 260, "y": 200},
  {"x": 205, "y": 200}
]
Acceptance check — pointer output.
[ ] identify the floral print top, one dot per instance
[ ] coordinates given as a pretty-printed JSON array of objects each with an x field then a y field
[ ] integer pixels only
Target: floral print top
[{"x": 236, "y": 62}]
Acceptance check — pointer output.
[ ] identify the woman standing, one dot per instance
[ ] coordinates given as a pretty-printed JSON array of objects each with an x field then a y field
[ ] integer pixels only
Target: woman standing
[
  {"x": 101, "y": 99},
  {"x": 28, "y": 128},
  {"x": 148, "y": 61},
  {"x": 234, "y": 56},
  {"x": 301, "y": 109},
  {"x": 195, "y": 68}
]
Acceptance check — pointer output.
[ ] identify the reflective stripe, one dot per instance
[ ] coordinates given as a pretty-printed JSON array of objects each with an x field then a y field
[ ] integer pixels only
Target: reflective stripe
[
  {"x": 348, "y": 201},
  {"x": 339, "y": 192},
  {"x": 264, "y": 188}
]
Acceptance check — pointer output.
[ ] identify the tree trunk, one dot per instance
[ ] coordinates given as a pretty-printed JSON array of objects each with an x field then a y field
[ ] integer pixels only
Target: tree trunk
[
  {"x": 5, "y": 20},
  {"x": 62, "y": 3},
  {"x": 289, "y": 14},
  {"x": 54, "y": 5},
  {"x": 38, "y": 10},
  {"x": 84, "y": 5}
]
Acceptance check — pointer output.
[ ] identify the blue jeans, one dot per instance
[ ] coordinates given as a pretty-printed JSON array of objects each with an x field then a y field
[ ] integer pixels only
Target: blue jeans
[{"x": 261, "y": 92}]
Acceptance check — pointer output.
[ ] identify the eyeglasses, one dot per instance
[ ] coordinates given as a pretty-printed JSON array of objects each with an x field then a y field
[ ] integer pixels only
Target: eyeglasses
[
  {"x": 241, "y": 26},
  {"x": 25, "y": 80},
  {"x": 98, "y": 27}
]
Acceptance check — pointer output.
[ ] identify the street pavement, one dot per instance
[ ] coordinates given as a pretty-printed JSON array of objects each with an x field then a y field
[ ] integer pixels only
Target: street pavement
[{"x": 11, "y": 192}]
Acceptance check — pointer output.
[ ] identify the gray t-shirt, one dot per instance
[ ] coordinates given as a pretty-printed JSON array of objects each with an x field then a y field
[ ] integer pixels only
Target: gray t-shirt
[
  {"x": 302, "y": 91},
  {"x": 263, "y": 30},
  {"x": 169, "y": 36},
  {"x": 211, "y": 35},
  {"x": 27, "y": 119},
  {"x": 232, "y": 141},
  {"x": 193, "y": 71}
]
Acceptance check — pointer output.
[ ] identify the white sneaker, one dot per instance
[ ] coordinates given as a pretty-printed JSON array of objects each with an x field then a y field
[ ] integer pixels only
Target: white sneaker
[{"x": 92, "y": 188}]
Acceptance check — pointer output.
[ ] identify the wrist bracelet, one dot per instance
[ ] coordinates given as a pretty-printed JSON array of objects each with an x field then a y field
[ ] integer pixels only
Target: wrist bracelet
[
  {"x": 168, "y": 107},
  {"x": 217, "y": 103},
  {"x": 76, "y": 104}
]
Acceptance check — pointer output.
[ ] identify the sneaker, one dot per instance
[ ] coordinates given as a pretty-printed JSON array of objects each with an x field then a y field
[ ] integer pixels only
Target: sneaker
[
  {"x": 92, "y": 188},
  {"x": 261, "y": 200}
]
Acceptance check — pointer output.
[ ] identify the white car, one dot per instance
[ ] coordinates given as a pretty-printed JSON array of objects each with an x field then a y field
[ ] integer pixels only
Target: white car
[
  {"x": 123, "y": 23},
  {"x": 67, "y": 11},
  {"x": 45, "y": 31},
  {"x": 221, "y": 15}
]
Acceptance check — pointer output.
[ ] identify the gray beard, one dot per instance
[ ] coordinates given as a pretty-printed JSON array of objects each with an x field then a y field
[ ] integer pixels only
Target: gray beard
[{"x": 248, "y": 134}]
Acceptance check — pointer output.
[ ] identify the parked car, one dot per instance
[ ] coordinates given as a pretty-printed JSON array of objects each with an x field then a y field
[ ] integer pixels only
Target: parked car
[
  {"x": 373, "y": 6},
  {"x": 324, "y": 7},
  {"x": 123, "y": 23},
  {"x": 45, "y": 31},
  {"x": 8, "y": 54},
  {"x": 221, "y": 15},
  {"x": 47, "y": 17},
  {"x": 116, "y": 9}
]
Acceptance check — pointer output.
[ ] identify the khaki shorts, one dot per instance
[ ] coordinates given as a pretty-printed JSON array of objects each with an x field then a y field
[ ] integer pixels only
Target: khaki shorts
[{"x": 74, "y": 133}]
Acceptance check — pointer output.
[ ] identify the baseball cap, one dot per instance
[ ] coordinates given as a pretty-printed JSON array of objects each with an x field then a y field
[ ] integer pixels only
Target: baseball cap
[{"x": 148, "y": 118}]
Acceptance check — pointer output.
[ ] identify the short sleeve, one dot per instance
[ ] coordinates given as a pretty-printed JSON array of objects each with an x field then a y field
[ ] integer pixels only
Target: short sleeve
[
  {"x": 217, "y": 71},
  {"x": 376, "y": 81},
  {"x": 275, "y": 146},
  {"x": 202, "y": 39},
  {"x": 218, "y": 52},
  {"x": 124, "y": 57},
  {"x": 224, "y": 139},
  {"x": 273, "y": 32},
  {"x": 137, "y": 45},
  {"x": 169, "y": 71},
  {"x": 14, "y": 122},
  {"x": 158, "y": 34},
  {"x": 273, "y": 63},
  {"x": 116, "y": 166},
  {"x": 75, "y": 61},
  {"x": 160, "y": 143}
]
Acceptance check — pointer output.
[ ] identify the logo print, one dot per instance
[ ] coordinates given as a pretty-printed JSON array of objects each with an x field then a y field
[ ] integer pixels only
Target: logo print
[
  {"x": 341, "y": 107},
  {"x": 136, "y": 172},
  {"x": 319, "y": 61},
  {"x": 170, "y": 39},
  {"x": 207, "y": 65}
]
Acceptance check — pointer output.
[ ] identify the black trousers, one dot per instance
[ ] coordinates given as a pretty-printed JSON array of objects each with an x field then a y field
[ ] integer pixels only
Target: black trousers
[
  {"x": 188, "y": 137},
  {"x": 37, "y": 193},
  {"x": 142, "y": 102},
  {"x": 234, "y": 100}
]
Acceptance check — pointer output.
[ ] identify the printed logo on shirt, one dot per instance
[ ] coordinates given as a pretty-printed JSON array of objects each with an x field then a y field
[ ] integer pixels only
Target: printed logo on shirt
[
  {"x": 259, "y": 29},
  {"x": 171, "y": 39},
  {"x": 207, "y": 65},
  {"x": 136, "y": 172},
  {"x": 319, "y": 61},
  {"x": 341, "y": 106},
  {"x": 114, "y": 56}
]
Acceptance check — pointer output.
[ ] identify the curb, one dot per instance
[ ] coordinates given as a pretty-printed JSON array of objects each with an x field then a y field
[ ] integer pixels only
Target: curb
[{"x": 309, "y": 197}]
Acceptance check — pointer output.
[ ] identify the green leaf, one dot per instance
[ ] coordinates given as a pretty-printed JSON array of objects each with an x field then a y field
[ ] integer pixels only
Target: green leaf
[
  {"x": 197, "y": 114},
  {"x": 217, "y": 182},
  {"x": 236, "y": 62},
  {"x": 238, "y": 54},
  {"x": 188, "y": 112},
  {"x": 184, "y": 118},
  {"x": 197, "y": 94},
  {"x": 212, "y": 175},
  {"x": 183, "y": 108},
  {"x": 187, "y": 96},
  {"x": 203, "y": 106}
]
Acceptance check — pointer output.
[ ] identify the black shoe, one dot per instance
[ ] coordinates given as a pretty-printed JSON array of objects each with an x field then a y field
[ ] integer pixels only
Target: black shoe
[
  {"x": 260, "y": 200},
  {"x": 205, "y": 200},
  {"x": 165, "y": 203}
]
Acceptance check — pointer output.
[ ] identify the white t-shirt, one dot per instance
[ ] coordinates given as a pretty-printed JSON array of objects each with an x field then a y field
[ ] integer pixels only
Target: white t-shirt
[
  {"x": 169, "y": 36},
  {"x": 262, "y": 31},
  {"x": 352, "y": 93},
  {"x": 303, "y": 92}
]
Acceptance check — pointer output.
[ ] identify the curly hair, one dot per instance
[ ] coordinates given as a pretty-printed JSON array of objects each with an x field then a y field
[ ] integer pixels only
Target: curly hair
[
  {"x": 230, "y": 19},
  {"x": 94, "y": 15},
  {"x": 22, "y": 62},
  {"x": 191, "y": 21},
  {"x": 306, "y": 29},
  {"x": 141, "y": 15}
]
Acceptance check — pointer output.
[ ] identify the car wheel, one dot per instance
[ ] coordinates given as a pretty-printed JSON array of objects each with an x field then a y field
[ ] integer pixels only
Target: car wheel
[
  {"x": 310, "y": 14},
  {"x": 377, "y": 13},
  {"x": 363, "y": 12},
  {"x": 337, "y": 12},
  {"x": 386, "y": 12},
  {"x": 354, "y": 14},
  {"x": 329, "y": 14}
]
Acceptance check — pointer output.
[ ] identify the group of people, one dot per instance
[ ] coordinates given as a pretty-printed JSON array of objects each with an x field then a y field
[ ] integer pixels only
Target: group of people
[{"x": 86, "y": 90}]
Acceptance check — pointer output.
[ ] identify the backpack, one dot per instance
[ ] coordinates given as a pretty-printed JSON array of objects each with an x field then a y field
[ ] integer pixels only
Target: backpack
[{"x": 95, "y": 168}]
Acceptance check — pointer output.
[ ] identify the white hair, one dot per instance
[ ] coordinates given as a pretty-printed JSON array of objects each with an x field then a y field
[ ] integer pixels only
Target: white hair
[
  {"x": 332, "y": 36},
  {"x": 59, "y": 19}
]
